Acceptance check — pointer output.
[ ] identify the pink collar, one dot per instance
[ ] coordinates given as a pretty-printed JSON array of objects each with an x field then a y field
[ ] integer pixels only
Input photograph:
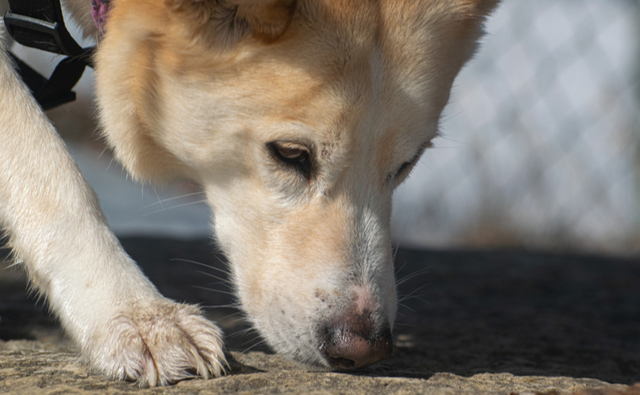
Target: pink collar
[{"x": 100, "y": 11}]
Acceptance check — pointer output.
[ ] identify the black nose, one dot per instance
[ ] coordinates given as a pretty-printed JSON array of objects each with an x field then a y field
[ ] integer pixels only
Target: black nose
[{"x": 354, "y": 342}]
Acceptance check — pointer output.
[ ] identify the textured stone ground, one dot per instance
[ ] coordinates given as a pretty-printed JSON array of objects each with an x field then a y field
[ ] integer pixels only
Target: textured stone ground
[{"x": 469, "y": 322}]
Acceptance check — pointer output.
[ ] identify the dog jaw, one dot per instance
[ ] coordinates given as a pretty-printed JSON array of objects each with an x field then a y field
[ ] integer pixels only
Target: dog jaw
[{"x": 357, "y": 87}]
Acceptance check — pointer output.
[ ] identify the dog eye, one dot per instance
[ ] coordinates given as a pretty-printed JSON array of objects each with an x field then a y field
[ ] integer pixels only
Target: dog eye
[
  {"x": 293, "y": 155},
  {"x": 402, "y": 170},
  {"x": 404, "y": 167}
]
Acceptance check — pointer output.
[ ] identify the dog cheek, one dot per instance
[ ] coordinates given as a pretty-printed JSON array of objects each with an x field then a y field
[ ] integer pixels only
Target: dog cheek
[
  {"x": 237, "y": 225},
  {"x": 302, "y": 252}
]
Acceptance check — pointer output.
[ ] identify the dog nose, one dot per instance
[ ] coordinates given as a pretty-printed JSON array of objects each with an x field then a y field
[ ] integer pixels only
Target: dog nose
[{"x": 356, "y": 343}]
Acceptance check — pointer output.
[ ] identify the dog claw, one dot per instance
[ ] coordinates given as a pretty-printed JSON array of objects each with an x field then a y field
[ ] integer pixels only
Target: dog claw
[{"x": 158, "y": 345}]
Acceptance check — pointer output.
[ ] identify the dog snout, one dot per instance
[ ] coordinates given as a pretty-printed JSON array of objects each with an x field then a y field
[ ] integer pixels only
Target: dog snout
[{"x": 355, "y": 342}]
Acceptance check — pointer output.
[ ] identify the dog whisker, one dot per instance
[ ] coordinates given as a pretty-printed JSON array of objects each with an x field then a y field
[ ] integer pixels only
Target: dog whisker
[
  {"x": 105, "y": 149},
  {"x": 404, "y": 306},
  {"x": 236, "y": 314},
  {"x": 161, "y": 201},
  {"x": 215, "y": 290},
  {"x": 404, "y": 227},
  {"x": 174, "y": 207},
  {"x": 221, "y": 306},
  {"x": 401, "y": 314},
  {"x": 222, "y": 280},
  {"x": 416, "y": 290},
  {"x": 395, "y": 252},
  {"x": 417, "y": 297},
  {"x": 413, "y": 275},
  {"x": 412, "y": 295},
  {"x": 219, "y": 283},
  {"x": 244, "y": 332},
  {"x": 225, "y": 263},
  {"x": 227, "y": 272},
  {"x": 398, "y": 270},
  {"x": 157, "y": 197},
  {"x": 246, "y": 350}
]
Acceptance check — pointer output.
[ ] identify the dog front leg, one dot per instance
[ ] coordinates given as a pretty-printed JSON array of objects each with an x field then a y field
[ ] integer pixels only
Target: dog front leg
[{"x": 57, "y": 231}]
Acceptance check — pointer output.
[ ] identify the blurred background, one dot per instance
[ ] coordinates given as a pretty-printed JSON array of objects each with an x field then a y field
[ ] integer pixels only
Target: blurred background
[
  {"x": 540, "y": 145},
  {"x": 541, "y": 140}
]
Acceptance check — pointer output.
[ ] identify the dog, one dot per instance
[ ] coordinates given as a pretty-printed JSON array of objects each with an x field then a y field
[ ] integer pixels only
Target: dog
[{"x": 298, "y": 118}]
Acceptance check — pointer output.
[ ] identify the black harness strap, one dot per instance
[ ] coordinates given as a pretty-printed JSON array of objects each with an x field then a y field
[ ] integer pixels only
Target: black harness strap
[{"x": 40, "y": 24}]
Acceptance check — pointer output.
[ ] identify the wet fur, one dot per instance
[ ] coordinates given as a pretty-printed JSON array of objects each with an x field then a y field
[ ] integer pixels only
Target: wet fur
[{"x": 205, "y": 90}]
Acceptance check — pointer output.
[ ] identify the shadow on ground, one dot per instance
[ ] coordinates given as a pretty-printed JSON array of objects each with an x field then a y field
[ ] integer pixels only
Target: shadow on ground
[{"x": 465, "y": 313}]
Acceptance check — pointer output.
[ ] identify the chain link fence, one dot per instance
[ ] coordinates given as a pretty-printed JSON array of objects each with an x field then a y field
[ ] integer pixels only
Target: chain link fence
[{"x": 540, "y": 145}]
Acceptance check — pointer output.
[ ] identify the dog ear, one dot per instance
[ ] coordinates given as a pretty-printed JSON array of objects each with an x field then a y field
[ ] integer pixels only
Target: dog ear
[
  {"x": 483, "y": 7},
  {"x": 478, "y": 9},
  {"x": 225, "y": 21}
]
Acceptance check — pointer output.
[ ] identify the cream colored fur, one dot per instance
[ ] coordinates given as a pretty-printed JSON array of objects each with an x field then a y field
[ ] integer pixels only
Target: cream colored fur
[{"x": 221, "y": 93}]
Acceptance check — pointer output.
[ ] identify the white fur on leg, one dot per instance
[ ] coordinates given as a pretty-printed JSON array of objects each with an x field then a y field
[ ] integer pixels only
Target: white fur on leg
[{"x": 57, "y": 230}]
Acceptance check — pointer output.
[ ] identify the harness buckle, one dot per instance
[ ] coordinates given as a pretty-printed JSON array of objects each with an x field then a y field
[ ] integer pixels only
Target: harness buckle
[
  {"x": 40, "y": 34},
  {"x": 43, "y": 28}
]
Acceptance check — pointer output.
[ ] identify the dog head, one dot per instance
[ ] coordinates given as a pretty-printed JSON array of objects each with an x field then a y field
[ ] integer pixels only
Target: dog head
[{"x": 299, "y": 119}]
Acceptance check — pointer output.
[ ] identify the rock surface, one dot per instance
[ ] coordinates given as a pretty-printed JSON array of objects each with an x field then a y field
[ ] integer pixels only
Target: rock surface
[
  {"x": 470, "y": 322},
  {"x": 32, "y": 367}
]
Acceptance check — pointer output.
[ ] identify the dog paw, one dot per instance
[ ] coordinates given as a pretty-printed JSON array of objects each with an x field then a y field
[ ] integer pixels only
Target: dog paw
[{"x": 157, "y": 344}]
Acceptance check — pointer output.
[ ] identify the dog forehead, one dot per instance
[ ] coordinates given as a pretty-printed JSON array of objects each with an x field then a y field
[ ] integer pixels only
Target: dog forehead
[
  {"x": 364, "y": 76},
  {"x": 365, "y": 82}
]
